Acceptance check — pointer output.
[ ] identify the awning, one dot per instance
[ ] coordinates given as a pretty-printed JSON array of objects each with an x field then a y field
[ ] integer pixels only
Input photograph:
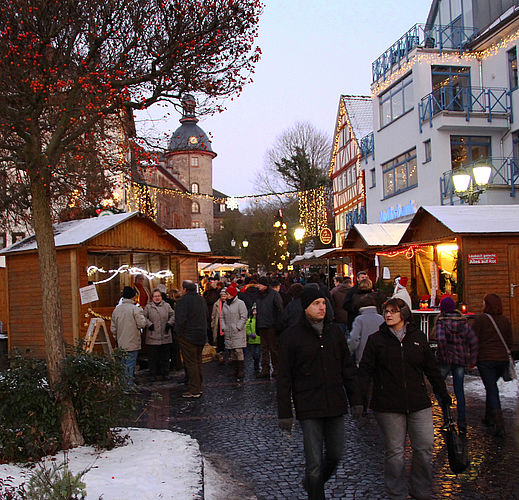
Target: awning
[{"x": 323, "y": 255}]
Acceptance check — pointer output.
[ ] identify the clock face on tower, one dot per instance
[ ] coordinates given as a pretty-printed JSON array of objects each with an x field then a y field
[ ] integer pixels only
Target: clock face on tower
[{"x": 193, "y": 140}]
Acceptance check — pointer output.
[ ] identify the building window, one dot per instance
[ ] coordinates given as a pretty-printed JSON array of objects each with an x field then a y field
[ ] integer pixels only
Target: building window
[
  {"x": 3, "y": 240},
  {"x": 396, "y": 101},
  {"x": 512, "y": 68},
  {"x": 17, "y": 237},
  {"x": 448, "y": 87},
  {"x": 222, "y": 207},
  {"x": 427, "y": 150},
  {"x": 469, "y": 149},
  {"x": 400, "y": 173},
  {"x": 195, "y": 188},
  {"x": 194, "y": 161},
  {"x": 195, "y": 224},
  {"x": 373, "y": 178},
  {"x": 195, "y": 207}
]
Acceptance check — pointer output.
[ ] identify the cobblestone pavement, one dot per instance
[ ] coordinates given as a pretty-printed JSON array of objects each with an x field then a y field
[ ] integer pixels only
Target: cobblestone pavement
[{"x": 238, "y": 423}]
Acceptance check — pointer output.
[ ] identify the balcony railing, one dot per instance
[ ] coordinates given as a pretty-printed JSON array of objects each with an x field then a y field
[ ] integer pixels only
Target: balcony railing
[
  {"x": 367, "y": 146},
  {"x": 434, "y": 37},
  {"x": 490, "y": 101},
  {"x": 505, "y": 172}
]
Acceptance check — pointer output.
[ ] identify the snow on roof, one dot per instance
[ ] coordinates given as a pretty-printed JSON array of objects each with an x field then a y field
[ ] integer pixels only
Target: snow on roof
[
  {"x": 74, "y": 232},
  {"x": 360, "y": 114},
  {"x": 314, "y": 254},
  {"x": 194, "y": 239},
  {"x": 477, "y": 218},
  {"x": 381, "y": 234}
]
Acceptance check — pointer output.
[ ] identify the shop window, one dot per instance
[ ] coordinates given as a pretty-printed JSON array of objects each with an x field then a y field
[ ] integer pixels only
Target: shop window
[
  {"x": 400, "y": 173},
  {"x": 396, "y": 101},
  {"x": 466, "y": 150},
  {"x": 195, "y": 207},
  {"x": 195, "y": 224},
  {"x": 427, "y": 151},
  {"x": 194, "y": 161},
  {"x": 373, "y": 177},
  {"x": 222, "y": 207},
  {"x": 3, "y": 240},
  {"x": 195, "y": 188},
  {"x": 512, "y": 68}
]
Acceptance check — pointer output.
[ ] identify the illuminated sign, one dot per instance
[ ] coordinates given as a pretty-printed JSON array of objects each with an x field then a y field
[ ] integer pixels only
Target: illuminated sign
[{"x": 392, "y": 213}]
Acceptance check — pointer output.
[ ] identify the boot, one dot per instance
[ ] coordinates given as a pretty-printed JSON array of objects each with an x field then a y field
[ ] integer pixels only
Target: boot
[
  {"x": 499, "y": 423},
  {"x": 241, "y": 370}
]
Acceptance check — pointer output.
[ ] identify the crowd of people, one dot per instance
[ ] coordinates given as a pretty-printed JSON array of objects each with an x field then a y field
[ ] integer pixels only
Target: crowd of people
[{"x": 348, "y": 348}]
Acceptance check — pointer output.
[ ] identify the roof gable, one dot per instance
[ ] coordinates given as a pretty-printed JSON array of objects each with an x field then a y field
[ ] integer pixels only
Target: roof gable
[
  {"x": 374, "y": 235},
  {"x": 359, "y": 109}
]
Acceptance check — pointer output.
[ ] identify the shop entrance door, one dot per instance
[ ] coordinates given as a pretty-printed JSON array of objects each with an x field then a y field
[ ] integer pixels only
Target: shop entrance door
[{"x": 513, "y": 273}]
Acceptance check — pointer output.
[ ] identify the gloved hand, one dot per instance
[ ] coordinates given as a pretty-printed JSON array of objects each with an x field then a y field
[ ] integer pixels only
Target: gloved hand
[
  {"x": 151, "y": 327},
  {"x": 285, "y": 424},
  {"x": 357, "y": 411},
  {"x": 252, "y": 335}
]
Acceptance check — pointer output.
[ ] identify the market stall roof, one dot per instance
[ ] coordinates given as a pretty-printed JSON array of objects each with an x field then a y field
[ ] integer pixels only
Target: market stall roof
[
  {"x": 310, "y": 257},
  {"x": 77, "y": 232},
  {"x": 374, "y": 235},
  {"x": 220, "y": 266},
  {"x": 449, "y": 220},
  {"x": 194, "y": 239}
]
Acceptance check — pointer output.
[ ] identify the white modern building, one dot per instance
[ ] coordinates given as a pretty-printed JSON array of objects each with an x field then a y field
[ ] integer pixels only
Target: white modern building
[{"x": 445, "y": 99}]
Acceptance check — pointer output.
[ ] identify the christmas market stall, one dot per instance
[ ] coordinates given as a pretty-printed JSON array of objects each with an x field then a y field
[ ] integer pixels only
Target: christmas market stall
[
  {"x": 466, "y": 251},
  {"x": 96, "y": 257}
]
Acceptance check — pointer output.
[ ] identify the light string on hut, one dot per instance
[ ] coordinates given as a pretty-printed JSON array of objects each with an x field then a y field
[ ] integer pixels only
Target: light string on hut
[
  {"x": 91, "y": 270},
  {"x": 408, "y": 252}
]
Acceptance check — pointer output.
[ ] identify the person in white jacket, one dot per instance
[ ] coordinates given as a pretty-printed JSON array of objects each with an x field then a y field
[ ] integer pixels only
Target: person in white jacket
[
  {"x": 234, "y": 317},
  {"x": 401, "y": 292}
]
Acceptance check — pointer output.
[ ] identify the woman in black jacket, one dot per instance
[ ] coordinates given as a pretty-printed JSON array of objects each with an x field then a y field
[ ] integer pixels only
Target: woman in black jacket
[{"x": 397, "y": 357}]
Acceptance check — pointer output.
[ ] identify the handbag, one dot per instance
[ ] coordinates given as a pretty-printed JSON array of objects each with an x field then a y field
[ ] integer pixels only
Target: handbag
[
  {"x": 510, "y": 373},
  {"x": 456, "y": 445}
]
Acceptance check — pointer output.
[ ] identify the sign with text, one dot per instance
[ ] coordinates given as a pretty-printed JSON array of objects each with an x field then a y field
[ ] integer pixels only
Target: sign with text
[
  {"x": 326, "y": 236},
  {"x": 88, "y": 294},
  {"x": 482, "y": 258}
]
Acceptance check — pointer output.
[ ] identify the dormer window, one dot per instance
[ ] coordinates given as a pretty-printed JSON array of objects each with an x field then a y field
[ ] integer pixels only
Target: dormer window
[{"x": 194, "y": 161}]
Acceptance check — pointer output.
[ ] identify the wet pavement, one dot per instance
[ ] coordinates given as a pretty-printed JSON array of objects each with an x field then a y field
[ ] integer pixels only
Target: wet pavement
[{"x": 236, "y": 426}]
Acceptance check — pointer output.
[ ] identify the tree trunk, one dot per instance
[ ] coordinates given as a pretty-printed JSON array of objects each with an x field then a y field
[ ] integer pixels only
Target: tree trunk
[{"x": 51, "y": 305}]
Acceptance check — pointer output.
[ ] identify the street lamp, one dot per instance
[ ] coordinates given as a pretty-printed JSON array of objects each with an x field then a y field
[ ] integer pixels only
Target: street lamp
[
  {"x": 470, "y": 182},
  {"x": 299, "y": 234},
  {"x": 244, "y": 243}
]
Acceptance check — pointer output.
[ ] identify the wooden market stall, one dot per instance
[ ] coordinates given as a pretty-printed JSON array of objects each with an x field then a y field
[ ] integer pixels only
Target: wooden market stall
[
  {"x": 469, "y": 251},
  {"x": 106, "y": 251}
]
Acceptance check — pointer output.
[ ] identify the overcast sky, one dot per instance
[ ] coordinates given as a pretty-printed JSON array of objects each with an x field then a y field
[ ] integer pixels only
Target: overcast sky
[{"x": 313, "y": 51}]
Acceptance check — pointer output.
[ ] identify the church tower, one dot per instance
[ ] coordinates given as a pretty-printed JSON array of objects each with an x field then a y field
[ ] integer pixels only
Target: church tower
[{"x": 190, "y": 159}]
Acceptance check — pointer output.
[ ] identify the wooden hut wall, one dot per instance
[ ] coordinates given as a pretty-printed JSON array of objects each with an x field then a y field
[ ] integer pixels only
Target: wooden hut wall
[
  {"x": 25, "y": 301},
  {"x": 398, "y": 265},
  {"x": 188, "y": 269}
]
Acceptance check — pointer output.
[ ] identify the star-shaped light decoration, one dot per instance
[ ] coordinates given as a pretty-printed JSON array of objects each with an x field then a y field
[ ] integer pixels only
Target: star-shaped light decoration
[{"x": 232, "y": 203}]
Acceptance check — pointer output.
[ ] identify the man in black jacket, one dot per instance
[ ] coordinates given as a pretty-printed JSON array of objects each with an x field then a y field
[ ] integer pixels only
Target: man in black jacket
[
  {"x": 315, "y": 367},
  {"x": 396, "y": 358},
  {"x": 191, "y": 331}
]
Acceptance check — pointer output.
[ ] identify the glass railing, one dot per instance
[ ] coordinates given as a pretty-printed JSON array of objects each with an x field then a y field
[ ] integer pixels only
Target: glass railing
[
  {"x": 433, "y": 37},
  {"x": 505, "y": 172},
  {"x": 367, "y": 146},
  {"x": 487, "y": 100}
]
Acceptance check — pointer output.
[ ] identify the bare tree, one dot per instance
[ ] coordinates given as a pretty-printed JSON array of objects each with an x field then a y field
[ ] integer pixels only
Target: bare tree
[{"x": 70, "y": 72}]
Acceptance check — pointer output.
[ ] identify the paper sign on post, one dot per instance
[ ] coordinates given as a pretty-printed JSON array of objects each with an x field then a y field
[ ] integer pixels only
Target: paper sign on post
[
  {"x": 386, "y": 274},
  {"x": 88, "y": 294}
]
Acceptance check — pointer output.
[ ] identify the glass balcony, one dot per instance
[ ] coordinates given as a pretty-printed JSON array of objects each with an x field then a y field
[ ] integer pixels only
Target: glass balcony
[
  {"x": 434, "y": 37},
  {"x": 487, "y": 100},
  {"x": 505, "y": 172}
]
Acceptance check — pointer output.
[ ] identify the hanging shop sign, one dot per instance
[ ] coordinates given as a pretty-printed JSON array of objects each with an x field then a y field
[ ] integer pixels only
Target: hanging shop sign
[
  {"x": 326, "y": 236},
  {"x": 482, "y": 258}
]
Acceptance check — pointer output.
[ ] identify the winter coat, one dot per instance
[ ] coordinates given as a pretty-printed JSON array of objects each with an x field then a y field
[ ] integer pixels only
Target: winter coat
[
  {"x": 191, "y": 318},
  {"x": 490, "y": 347},
  {"x": 211, "y": 296},
  {"x": 291, "y": 315},
  {"x": 398, "y": 369},
  {"x": 457, "y": 342},
  {"x": 250, "y": 330},
  {"x": 269, "y": 308},
  {"x": 215, "y": 318},
  {"x": 234, "y": 317},
  {"x": 365, "y": 324},
  {"x": 338, "y": 296},
  {"x": 314, "y": 370},
  {"x": 162, "y": 317},
  {"x": 249, "y": 294},
  {"x": 127, "y": 319}
]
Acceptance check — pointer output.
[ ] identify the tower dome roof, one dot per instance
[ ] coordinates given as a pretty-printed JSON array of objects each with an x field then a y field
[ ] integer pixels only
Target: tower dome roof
[{"x": 189, "y": 136}]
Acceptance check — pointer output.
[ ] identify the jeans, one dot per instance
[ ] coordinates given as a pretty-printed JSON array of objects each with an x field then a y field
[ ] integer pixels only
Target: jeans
[
  {"x": 316, "y": 432},
  {"x": 394, "y": 427},
  {"x": 130, "y": 360},
  {"x": 490, "y": 372},
  {"x": 458, "y": 374}
]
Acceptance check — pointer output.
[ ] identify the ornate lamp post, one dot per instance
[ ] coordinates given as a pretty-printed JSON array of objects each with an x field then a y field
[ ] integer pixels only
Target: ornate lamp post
[{"x": 470, "y": 182}]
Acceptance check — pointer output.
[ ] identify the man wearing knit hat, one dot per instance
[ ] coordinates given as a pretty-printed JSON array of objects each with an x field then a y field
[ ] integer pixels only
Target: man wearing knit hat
[
  {"x": 127, "y": 319},
  {"x": 316, "y": 371}
]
